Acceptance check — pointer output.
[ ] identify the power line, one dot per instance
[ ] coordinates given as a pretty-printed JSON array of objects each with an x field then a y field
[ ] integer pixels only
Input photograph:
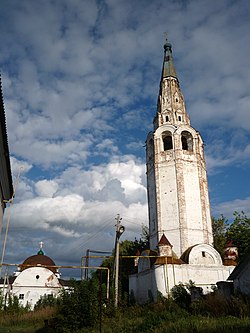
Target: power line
[{"x": 93, "y": 235}]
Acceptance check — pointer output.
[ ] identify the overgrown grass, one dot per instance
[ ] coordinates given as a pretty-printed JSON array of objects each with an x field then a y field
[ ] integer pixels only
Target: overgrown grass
[
  {"x": 29, "y": 322},
  {"x": 158, "y": 318},
  {"x": 209, "y": 314}
]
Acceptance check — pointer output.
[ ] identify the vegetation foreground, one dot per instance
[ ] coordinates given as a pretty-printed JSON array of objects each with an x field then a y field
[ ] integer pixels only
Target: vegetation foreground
[
  {"x": 84, "y": 310},
  {"x": 150, "y": 318}
]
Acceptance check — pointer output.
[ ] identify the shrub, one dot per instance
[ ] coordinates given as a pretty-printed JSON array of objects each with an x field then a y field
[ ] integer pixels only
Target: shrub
[
  {"x": 46, "y": 301},
  {"x": 216, "y": 305},
  {"x": 181, "y": 296},
  {"x": 14, "y": 307},
  {"x": 78, "y": 307}
]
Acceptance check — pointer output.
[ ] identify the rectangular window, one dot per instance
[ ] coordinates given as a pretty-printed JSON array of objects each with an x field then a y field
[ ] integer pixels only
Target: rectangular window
[
  {"x": 21, "y": 296},
  {"x": 203, "y": 254}
]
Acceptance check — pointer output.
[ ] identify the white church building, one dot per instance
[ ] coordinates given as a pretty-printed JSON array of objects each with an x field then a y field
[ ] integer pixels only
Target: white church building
[
  {"x": 36, "y": 277},
  {"x": 180, "y": 227}
]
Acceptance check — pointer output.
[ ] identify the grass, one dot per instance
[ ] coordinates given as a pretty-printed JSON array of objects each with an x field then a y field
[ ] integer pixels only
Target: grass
[
  {"x": 157, "y": 318},
  {"x": 30, "y": 322}
]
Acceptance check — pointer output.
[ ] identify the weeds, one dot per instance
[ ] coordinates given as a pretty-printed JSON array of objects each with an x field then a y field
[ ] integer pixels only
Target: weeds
[{"x": 82, "y": 311}]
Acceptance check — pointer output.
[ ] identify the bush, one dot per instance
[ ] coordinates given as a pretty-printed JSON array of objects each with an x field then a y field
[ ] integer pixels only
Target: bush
[
  {"x": 181, "y": 296},
  {"x": 239, "y": 306},
  {"x": 216, "y": 305},
  {"x": 78, "y": 307},
  {"x": 14, "y": 307},
  {"x": 46, "y": 301}
]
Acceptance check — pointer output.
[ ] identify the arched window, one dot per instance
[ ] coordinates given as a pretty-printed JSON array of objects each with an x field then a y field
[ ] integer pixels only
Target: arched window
[
  {"x": 176, "y": 97},
  {"x": 167, "y": 141},
  {"x": 187, "y": 141},
  {"x": 167, "y": 118}
]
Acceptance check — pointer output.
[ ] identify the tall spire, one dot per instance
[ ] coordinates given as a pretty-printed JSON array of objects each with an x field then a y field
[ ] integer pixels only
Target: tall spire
[
  {"x": 168, "y": 64},
  {"x": 176, "y": 170},
  {"x": 170, "y": 106}
]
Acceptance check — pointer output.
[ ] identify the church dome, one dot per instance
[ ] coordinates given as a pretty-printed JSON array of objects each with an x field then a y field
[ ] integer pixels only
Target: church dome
[{"x": 38, "y": 260}]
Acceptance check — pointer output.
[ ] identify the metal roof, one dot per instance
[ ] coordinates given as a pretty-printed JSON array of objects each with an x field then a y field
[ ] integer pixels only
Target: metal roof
[
  {"x": 6, "y": 186},
  {"x": 168, "y": 63}
]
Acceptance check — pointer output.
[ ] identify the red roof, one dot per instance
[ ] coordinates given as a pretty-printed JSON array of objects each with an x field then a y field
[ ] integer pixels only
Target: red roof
[
  {"x": 38, "y": 259},
  {"x": 164, "y": 241}
]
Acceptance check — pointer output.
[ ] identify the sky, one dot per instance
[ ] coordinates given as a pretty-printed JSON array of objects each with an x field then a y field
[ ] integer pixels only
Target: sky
[{"x": 80, "y": 80}]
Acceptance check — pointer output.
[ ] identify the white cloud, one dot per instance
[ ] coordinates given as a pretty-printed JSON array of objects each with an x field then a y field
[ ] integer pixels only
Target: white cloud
[
  {"x": 73, "y": 206},
  {"x": 46, "y": 188},
  {"x": 47, "y": 153},
  {"x": 229, "y": 207},
  {"x": 19, "y": 166}
]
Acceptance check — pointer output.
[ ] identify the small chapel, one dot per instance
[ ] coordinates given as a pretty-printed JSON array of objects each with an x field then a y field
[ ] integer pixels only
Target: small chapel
[
  {"x": 36, "y": 277},
  {"x": 180, "y": 226}
]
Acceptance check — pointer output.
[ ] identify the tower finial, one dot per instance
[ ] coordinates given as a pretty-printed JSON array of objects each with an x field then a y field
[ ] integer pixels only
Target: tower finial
[
  {"x": 41, "y": 248},
  {"x": 168, "y": 64},
  {"x": 167, "y": 45},
  {"x": 166, "y": 36}
]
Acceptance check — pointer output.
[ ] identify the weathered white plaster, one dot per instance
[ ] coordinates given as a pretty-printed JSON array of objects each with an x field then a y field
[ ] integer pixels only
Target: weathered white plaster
[
  {"x": 177, "y": 190},
  {"x": 203, "y": 254},
  {"x": 162, "y": 278},
  {"x": 178, "y": 199},
  {"x": 33, "y": 283}
]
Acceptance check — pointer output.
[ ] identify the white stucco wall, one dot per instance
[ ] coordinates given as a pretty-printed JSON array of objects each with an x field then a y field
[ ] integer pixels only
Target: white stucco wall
[
  {"x": 33, "y": 283},
  {"x": 162, "y": 278},
  {"x": 177, "y": 191}
]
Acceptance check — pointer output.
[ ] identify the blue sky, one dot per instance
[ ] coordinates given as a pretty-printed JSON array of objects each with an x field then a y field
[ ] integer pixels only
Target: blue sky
[{"x": 80, "y": 82}]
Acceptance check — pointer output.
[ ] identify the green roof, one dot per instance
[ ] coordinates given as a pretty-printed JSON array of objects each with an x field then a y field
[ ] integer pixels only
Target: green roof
[{"x": 168, "y": 64}]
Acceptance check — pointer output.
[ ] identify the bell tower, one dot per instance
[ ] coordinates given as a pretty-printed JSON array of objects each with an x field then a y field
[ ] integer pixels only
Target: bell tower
[{"x": 177, "y": 185}]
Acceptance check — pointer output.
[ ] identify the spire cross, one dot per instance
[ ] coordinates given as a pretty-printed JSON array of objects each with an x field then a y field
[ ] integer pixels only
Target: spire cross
[
  {"x": 166, "y": 35},
  {"x": 41, "y": 245}
]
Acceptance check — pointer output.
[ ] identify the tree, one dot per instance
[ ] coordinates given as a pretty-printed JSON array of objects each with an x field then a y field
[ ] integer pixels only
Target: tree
[
  {"x": 238, "y": 232},
  {"x": 219, "y": 227},
  {"x": 126, "y": 265},
  {"x": 78, "y": 307}
]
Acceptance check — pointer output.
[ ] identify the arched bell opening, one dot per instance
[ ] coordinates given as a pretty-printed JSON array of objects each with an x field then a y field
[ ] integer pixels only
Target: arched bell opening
[
  {"x": 167, "y": 141},
  {"x": 187, "y": 141}
]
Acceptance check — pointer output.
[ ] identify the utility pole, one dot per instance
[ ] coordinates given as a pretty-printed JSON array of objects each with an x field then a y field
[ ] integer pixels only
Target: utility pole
[
  {"x": 86, "y": 275},
  {"x": 119, "y": 231}
]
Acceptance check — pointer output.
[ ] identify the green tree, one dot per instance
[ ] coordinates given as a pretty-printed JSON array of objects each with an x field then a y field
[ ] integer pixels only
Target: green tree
[
  {"x": 239, "y": 233},
  {"x": 78, "y": 307},
  {"x": 219, "y": 227},
  {"x": 46, "y": 301},
  {"x": 126, "y": 265}
]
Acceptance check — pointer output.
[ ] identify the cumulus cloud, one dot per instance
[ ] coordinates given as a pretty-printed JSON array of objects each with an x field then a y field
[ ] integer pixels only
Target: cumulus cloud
[
  {"x": 80, "y": 206},
  {"x": 46, "y": 188},
  {"x": 227, "y": 208},
  {"x": 18, "y": 166}
]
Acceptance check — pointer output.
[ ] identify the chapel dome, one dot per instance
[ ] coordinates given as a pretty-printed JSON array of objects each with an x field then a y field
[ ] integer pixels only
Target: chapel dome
[{"x": 37, "y": 260}]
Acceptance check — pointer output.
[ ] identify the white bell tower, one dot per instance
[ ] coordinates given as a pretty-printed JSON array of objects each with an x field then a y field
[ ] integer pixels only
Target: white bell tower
[{"x": 177, "y": 185}]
